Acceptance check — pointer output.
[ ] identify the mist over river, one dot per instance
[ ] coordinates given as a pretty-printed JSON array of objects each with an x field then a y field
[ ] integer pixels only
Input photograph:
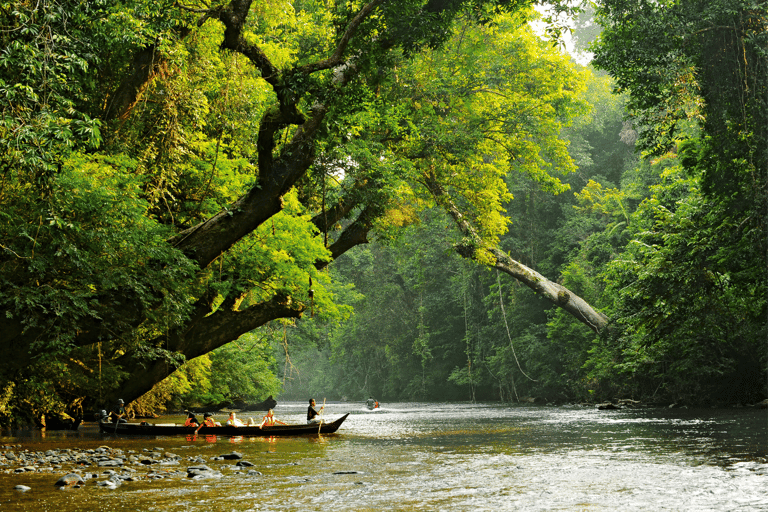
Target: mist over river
[{"x": 421, "y": 456}]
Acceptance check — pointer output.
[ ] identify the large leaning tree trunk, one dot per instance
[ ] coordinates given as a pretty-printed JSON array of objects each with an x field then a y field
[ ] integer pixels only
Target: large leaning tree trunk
[{"x": 556, "y": 293}]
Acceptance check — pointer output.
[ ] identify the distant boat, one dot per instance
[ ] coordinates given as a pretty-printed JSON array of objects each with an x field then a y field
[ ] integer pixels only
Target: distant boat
[{"x": 172, "y": 429}]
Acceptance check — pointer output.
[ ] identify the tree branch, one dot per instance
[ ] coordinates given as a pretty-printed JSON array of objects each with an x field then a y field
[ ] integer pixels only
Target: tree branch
[
  {"x": 337, "y": 58},
  {"x": 556, "y": 293}
]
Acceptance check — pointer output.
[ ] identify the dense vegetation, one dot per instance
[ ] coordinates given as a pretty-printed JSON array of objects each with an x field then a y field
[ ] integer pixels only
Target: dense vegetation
[{"x": 202, "y": 203}]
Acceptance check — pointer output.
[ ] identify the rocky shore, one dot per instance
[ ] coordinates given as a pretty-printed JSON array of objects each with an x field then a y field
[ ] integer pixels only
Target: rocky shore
[{"x": 111, "y": 468}]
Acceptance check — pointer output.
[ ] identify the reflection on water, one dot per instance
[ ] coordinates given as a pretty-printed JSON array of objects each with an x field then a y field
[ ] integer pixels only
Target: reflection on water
[{"x": 416, "y": 456}]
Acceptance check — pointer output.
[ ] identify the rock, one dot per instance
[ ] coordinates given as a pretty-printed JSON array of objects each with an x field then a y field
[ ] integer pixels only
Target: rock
[
  {"x": 61, "y": 422},
  {"x": 232, "y": 456},
  {"x": 199, "y": 472},
  {"x": 267, "y": 404},
  {"x": 608, "y": 407},
  {"x": 347, "y": 472},
  {"x": 112, "y": 463},
  {"x": 244, "y": 464},
  {"x": 22, "y": 488},
  {"x": 253, "y": 472},
  {"x": 69, "y": 479},
  {"x": 112, "y": 482}
]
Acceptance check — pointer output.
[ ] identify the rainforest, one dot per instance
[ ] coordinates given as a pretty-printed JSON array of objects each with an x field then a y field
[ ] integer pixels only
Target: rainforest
[{"x": 206, "y": 202}]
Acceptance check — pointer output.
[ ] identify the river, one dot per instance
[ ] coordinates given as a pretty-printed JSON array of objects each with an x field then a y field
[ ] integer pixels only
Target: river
[{"x": 423, "y": 456}]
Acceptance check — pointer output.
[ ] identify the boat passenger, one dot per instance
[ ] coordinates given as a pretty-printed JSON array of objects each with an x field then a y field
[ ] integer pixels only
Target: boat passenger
[
  {"x": 191, "y": 421},
  {"x": 118, "y": 411},
  {"x": 270, "y": 420},
  {"x": 370, "y": 403},
  {"x": 312, "y": 414},
  {"x": 233, "y": 421},
  {"x": 208, "y": 421}
]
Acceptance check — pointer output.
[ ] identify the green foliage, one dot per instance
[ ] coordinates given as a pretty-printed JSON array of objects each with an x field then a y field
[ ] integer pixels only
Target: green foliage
[
  {"x": 245, "y": 369},
  {"x": 689, "y": 290},
  {"x": 101, "y": 167},
  {"x": 689, "y": 326},
  {"x": 242, "y": 370},
  {"x": 497, "y": 108},
  {"x": 87, "y": 236}
]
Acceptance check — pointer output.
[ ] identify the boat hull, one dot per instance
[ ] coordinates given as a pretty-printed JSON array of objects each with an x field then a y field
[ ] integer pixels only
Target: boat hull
[{"x": 152, "y": 429}]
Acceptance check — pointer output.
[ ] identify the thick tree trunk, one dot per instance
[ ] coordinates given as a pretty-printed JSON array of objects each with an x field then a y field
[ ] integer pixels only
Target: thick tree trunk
[
  {"x": 554, "y": 292},
  {"x": 206, "y": 335},
  {"x": 208, "y": 330},
  {"x": 209, "y": 239}
]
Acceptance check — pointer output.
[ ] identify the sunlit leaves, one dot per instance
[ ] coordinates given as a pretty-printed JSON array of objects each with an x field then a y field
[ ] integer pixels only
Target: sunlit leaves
[
  {"x": 493, "y": 101},
  {"x": 90, "y": 238}
]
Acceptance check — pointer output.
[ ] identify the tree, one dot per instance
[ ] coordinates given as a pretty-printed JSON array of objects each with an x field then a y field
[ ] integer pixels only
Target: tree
[
  {"x": 150, "y": 215},
  {"x": 512, "y": 115},
  {"x": 425, "y": 325},
  {"x": 690, "y": 289}
]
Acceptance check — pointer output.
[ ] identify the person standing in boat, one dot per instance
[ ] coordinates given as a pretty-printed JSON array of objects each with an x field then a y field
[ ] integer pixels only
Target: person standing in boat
[
  {"x": 118, "y": 412},
  {"x": 312, "y": 414}
]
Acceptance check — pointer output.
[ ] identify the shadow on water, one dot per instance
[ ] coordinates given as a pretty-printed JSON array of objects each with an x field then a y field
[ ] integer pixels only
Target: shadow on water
[{"x": 415, "y": 456}]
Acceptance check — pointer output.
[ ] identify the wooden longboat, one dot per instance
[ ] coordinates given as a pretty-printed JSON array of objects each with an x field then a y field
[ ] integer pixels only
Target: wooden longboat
[{"x": 167, "y": 429}]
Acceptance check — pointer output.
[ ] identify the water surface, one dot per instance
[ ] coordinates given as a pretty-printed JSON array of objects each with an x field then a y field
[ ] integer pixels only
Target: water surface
[{"x": 419, "y": 456}]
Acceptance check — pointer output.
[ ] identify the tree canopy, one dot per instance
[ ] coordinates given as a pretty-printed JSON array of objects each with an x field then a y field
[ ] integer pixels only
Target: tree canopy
[{"x": 177, "y": 175}]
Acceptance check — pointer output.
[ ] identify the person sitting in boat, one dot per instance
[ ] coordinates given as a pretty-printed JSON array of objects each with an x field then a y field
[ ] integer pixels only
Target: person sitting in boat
[
  {"x": 208, "y": 421},
  {"x": 191, "y": 421},
  {"x": 118, "y": 412},
  {"x": 312, "y": 414},
  {"x": 376, "y": 406},
  {"x": 270, "y": 420},
  {"x": 233, "y": 421},
  {"x": 370, "y": 402}
]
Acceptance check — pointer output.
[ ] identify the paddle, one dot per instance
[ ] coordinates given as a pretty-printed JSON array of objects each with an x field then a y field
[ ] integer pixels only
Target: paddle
[
  {"x": 117, "y": 422},
  {"x": 322, "y": 409}
]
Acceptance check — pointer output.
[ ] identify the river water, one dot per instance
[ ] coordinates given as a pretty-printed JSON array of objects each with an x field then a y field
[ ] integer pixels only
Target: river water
[{"x": 419, "y": 456}]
